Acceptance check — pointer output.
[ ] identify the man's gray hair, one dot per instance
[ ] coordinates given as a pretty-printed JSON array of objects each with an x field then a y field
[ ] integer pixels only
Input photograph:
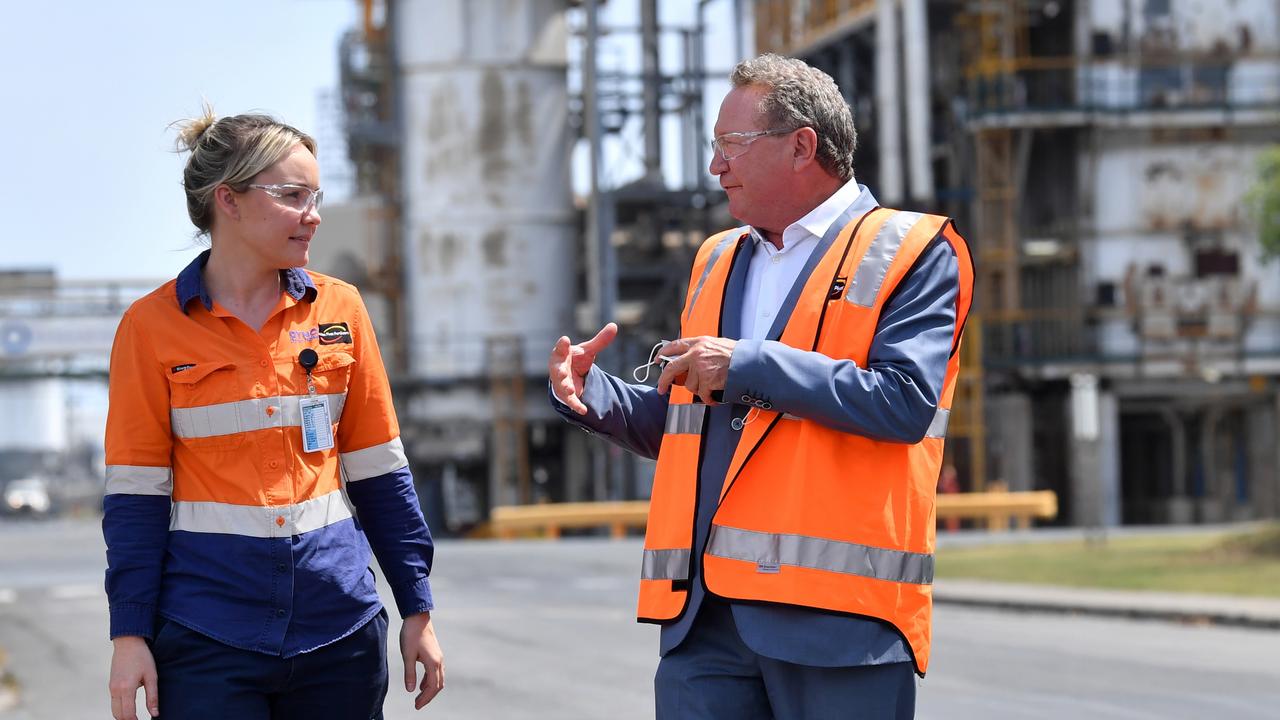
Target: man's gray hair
[{"x": 800, "y": 95}]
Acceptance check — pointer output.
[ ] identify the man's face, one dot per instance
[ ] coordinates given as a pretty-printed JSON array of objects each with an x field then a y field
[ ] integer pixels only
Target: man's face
[{"x": 759, "y": 171}]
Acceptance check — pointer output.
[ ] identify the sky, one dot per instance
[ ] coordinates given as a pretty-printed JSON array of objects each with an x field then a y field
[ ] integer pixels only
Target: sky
[{"x": 91, "y": 185}]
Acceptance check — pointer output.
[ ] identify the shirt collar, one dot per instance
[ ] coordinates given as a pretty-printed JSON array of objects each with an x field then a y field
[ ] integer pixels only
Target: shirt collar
[
  {"x": 851, "y": 197},
  {"x": 190, "y": 285}
]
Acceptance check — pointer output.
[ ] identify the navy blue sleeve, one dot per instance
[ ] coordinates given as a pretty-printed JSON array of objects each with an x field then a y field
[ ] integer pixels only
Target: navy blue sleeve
[
  {"x": 387, "y": 507},
  {"x": 136, "y": 531},
  {"x": 896, "y": 396},
  {"x": 630, "y": 416}
]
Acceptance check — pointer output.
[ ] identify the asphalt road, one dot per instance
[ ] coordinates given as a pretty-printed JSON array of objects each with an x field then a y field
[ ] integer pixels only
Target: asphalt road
[{"x": 544, "y": 630}]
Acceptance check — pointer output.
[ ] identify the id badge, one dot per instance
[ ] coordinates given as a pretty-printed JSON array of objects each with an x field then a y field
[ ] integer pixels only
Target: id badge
[{"x": 317, "y": 425}]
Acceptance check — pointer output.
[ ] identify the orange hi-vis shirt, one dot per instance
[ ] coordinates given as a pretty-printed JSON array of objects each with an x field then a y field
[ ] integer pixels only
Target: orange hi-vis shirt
[{"x": 216, "y": 516}]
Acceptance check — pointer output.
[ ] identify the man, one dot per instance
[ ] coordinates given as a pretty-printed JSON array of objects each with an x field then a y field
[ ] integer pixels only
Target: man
[{"x": 797, "y": 425}]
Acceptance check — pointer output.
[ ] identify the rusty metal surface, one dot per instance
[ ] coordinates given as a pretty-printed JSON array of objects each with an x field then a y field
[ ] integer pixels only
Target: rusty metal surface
[{"x": 489, "y": 221}]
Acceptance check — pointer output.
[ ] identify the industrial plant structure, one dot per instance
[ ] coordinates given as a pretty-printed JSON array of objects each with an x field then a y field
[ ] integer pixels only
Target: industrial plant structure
[{"x": 1126, "y": 347}]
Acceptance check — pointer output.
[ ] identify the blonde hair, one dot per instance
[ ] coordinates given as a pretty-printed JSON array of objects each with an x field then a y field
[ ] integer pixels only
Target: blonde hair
[{"x": 230, "y": 151}]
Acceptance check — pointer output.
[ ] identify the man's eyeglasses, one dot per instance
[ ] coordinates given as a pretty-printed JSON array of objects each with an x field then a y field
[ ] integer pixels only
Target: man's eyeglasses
[
  {"x": 734, "y": 144},
  {"x": 297, "y": 197}
]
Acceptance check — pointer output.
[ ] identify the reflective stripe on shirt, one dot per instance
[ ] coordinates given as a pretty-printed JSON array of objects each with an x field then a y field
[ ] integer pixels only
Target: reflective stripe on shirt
[
  {"x": 260, "y": 521},
  {"x": 240, "y": 416},
  {"x": 373, "y": 461},
  {"x": 139, "y": 480}
]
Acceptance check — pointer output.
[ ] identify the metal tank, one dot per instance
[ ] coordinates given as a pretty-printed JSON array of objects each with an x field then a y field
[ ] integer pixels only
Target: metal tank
[
  {"x": 33, "y": 415},
  {"x": 489, "y": 224},
  {"x": 489, "y": 232}
]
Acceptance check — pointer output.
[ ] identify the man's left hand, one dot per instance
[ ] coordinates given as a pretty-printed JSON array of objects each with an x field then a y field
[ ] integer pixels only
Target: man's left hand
[
  {"x": 418, "y": 644},
  {"x": 701, "y": 364}
]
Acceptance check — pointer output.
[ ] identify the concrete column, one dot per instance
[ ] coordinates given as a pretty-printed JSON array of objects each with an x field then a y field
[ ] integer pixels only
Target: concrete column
[
  {"x": 744, "y": 38},
  {"x": 1013, "y": 437},
  {"x": 1109, "y": 459},
  {"x": 578, "y": 472},
  {"x": 652, "y": 82},
  {"x": 1264, "y": 458},
  {"x": 1180, "y": 510},
  {"x": 915, "y": 41},
  {"x": 1213, "y": 508},
  {"x": 1086, "y": 486},
  {"x": 888, "y": 117}
]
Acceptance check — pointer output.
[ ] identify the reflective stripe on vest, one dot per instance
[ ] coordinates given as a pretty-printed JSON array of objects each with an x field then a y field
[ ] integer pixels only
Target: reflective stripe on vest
[
  {"x": 260, "y": 521},
  {"x": 685, "y": 419},
  {"x": 242, "y": 416},
  {"x": 769, "y": 550},
  {"x": 139, "y": 480},
  {"x": 869, "y": 276},
  {"x": 730, "y": 238},
  {"x": 938, "y": 428},
  {"x": 665, "y": 565}
]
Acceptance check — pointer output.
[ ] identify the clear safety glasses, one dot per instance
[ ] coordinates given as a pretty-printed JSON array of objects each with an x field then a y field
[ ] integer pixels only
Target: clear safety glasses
[
  {"x": 734, "y": 144},
  {"x": 296, "y": 197}
]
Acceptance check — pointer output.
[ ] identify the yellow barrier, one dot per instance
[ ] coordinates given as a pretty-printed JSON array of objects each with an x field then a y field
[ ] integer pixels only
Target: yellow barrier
[
  {"x": 995, "y": 508},
  {"x": 506, "y": 521},
  {"x": 998, "y": 508}
]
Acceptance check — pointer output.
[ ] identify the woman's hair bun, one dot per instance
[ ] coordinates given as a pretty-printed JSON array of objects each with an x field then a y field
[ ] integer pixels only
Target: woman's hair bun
[{"x": 191, "y": 130}]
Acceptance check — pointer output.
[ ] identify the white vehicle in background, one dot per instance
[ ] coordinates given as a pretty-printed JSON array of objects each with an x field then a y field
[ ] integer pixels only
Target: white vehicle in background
[{"x": 27, "y": 495}]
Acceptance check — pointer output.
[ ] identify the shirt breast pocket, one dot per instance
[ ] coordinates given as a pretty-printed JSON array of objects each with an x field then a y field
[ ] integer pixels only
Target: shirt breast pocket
[
  {"x": 202, "y": 415},
  {"x": 332, "y": 376}
]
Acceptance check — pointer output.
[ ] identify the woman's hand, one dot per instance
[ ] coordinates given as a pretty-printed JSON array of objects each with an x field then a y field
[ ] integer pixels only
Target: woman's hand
[
  {"x": 132, "y": 667},
  {"x": 418, "y": 644}
]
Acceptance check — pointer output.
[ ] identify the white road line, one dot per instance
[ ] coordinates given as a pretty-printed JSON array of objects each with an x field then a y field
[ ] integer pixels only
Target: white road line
[
  {"x": 8, "y": 596},
  {"x": 506, "y": 583},
  {"x": 75, "y": 592},
  {"x": 602, "y": 582}
]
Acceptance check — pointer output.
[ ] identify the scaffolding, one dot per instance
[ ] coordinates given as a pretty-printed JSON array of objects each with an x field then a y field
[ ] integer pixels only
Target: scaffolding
[
  {"x": 792, "y": 28},
  {"x": 366, "y": 71},
  {"x": 509, "y": 445}
]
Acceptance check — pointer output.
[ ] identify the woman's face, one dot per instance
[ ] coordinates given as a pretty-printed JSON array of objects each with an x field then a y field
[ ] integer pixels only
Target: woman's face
[{"x": 278, "y": 230}]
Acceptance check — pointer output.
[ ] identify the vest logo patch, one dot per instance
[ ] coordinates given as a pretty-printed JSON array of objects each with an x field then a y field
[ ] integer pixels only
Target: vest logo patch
[
  {"x": 334, "y": 333},
  {"x": 837, "y": 288},
  {"x": 771, "y": 568},
  {"x": 179, "y": 368}
]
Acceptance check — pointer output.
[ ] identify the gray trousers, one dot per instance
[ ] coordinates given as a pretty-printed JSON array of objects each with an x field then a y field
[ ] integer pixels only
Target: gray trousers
[{"x": 713, "y": 675}]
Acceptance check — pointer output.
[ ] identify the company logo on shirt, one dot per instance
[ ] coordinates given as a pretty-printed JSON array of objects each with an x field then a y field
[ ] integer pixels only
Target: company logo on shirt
[
  {"x": 304, "y": 336},
  {"x": 179, "y": 368},
  {"x": 334, "y": 333}
]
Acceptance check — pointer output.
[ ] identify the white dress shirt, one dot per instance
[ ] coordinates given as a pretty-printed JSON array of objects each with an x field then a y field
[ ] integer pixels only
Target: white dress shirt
[{"x": 772, "y": 272}]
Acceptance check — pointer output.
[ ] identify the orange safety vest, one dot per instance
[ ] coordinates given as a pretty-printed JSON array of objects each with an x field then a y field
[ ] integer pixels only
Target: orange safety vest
[{"x": 810, "y": 516}]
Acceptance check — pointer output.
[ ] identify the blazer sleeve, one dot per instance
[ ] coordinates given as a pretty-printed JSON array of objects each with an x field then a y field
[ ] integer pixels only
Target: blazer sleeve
[{"x": 629, "y": 416}]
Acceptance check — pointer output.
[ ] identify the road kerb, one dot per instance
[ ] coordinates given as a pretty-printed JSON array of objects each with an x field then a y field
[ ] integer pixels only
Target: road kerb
[{"x": 1258, "y": 613}]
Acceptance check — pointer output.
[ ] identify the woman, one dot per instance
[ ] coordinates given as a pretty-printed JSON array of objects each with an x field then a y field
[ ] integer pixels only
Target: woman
[{"x": 249, "y": 403}]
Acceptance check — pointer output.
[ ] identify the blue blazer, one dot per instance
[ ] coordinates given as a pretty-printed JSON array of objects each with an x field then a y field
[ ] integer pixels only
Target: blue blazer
[{"x": 894, "y": 398}]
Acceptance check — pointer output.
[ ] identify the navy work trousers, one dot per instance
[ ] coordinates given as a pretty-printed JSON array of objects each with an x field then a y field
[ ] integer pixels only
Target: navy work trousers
[
  {"x": 713, "y": 675},
  {"x": 201, "y": 678}
]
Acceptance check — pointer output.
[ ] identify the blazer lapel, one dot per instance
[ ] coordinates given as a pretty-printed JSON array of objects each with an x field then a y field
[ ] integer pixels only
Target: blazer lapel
[{"x": 735, "y": 288}]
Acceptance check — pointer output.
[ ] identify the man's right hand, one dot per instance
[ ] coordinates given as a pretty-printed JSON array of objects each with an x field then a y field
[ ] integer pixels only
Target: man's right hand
[
  {"x": 132, "y": 667},
  {"x": 570, "y": 364}
]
